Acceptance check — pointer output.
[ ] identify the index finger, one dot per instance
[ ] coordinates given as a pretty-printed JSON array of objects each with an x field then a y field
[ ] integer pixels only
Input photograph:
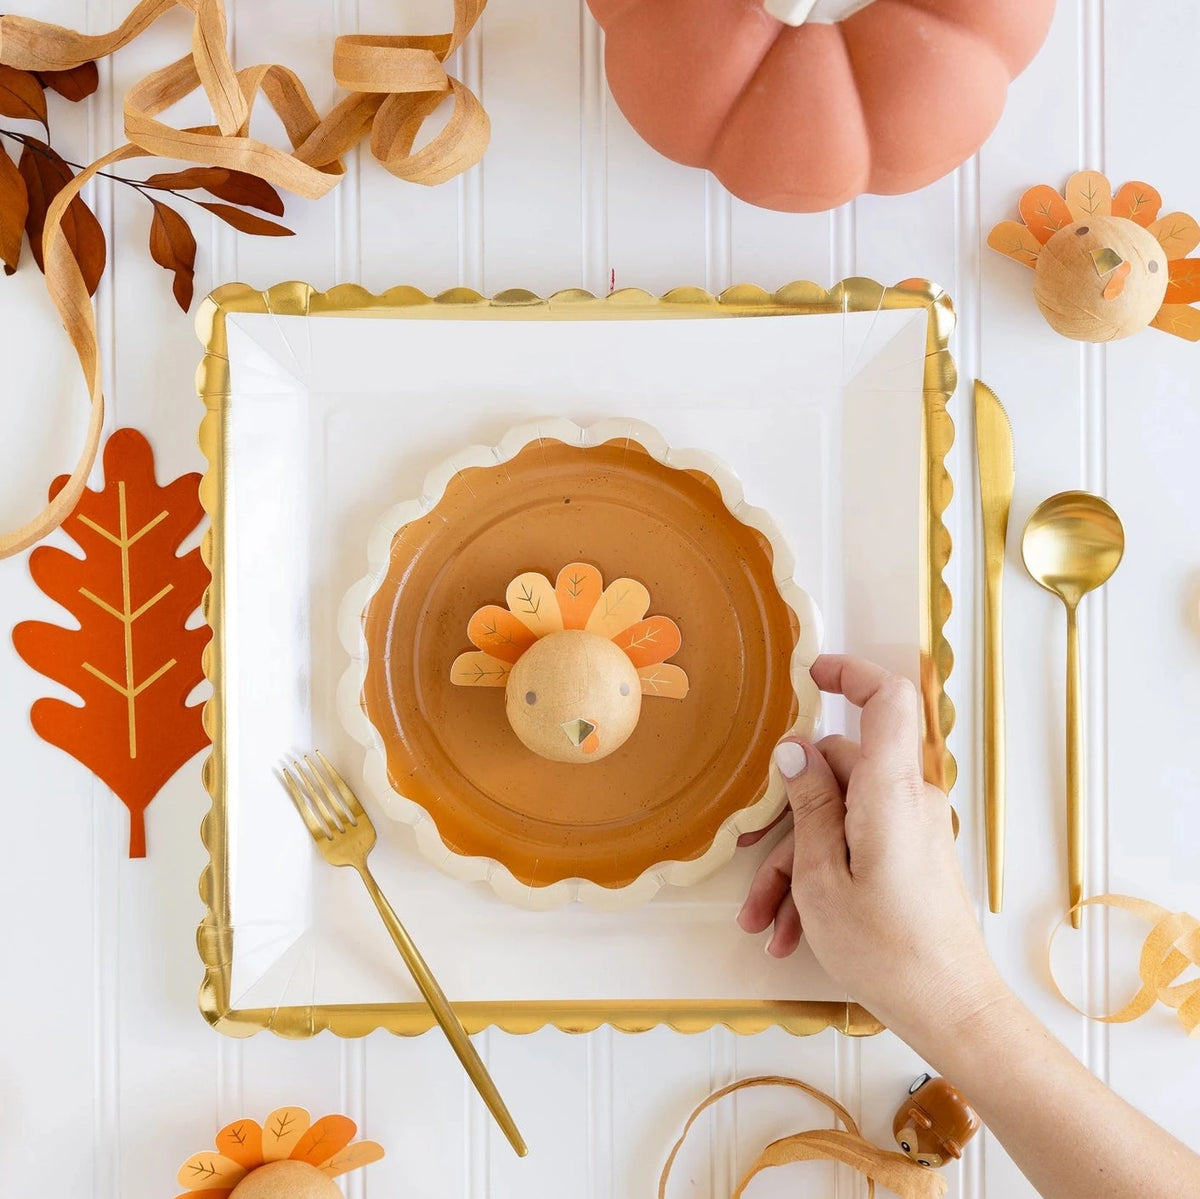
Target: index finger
[{"x": 891, "y": 715}]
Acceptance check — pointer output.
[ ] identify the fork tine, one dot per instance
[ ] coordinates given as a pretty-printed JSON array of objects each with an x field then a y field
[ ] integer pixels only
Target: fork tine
[
  {"x": 331, "y": 796},
  {"x": 344, "y": 790},
  {"x": 303, "y": 807},
  {"x": 318, "y": 795}
]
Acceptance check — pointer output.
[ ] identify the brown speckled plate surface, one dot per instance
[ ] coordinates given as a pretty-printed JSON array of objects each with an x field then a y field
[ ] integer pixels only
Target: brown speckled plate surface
[{"x": 689, "y": 764}]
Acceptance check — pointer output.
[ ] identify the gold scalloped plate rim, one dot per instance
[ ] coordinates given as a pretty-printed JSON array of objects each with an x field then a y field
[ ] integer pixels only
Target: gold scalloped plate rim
[
  {"x": 214, "y": 937},
  {"x": 400, "y": 807}
]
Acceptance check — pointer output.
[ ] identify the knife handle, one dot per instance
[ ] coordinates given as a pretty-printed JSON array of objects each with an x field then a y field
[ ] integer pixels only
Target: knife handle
[{"x": 993, "y": 742}]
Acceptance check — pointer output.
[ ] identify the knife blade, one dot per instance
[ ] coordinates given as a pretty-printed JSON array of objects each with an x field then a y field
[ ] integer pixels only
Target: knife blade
[{"x": 994, "y": 448}]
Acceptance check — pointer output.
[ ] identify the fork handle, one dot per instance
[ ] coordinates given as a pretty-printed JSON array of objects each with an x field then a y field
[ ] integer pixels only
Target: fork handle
[{"x": 445, "y": 1014}]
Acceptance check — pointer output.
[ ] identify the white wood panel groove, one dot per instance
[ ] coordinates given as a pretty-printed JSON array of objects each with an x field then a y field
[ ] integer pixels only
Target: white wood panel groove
[
  {"x": 1094, "y": 629},
  {"x": 593, "y": 160},
  {"x": 966, "y": 623},
  {"x": 600, "y": 1177}
]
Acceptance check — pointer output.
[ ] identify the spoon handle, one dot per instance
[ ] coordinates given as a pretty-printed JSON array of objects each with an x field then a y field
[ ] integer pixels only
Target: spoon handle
[{"x": 1074, "y": 772}]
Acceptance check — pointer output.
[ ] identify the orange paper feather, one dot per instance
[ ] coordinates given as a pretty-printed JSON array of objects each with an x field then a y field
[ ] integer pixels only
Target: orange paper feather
[
  {"x": 241, "y": 1141},
  {"x": 1184, "y": 284},
  {"x": 578, "y": 589},
  {"x": 498, "y": 632},
  {"x": 1044, "y": 211},
  {"x": 132, "y": 660},
  {"x": 1137, "y": 202},
  {"x": 650, "y": 641}
]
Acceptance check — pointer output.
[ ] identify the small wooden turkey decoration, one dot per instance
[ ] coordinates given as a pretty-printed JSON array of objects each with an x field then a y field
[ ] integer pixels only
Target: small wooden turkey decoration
[
  {"x": 1106, "y": 265},
  {"x": 575, "y": 658},
  {"x": 288, "y": 1156},
  {"x": 934, "y": 1122}
]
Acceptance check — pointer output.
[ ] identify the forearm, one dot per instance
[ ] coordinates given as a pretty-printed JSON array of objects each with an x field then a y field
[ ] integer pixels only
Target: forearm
[{"x": 1070, "y": 1135}]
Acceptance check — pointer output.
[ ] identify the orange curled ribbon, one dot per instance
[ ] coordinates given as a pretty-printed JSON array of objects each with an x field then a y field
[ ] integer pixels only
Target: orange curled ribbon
[
  {"x": 1172, "y": 946},
  {"x": 394, "y": 84},
  {"x": 899, "y": 1174}
]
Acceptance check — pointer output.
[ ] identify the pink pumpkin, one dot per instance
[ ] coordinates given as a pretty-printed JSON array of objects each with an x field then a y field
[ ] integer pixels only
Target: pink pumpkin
[{"x": 805, "y": 117}]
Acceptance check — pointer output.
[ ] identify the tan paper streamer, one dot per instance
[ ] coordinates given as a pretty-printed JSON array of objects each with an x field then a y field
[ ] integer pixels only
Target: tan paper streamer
[
  {"x": 892, "y": 1170},
  {"x": 1172, "y": 946},
  {"x": 394, "y": 84}
]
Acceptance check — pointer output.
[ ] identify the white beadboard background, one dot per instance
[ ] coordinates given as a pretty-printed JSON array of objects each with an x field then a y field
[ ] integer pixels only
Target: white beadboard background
[{"x": 109, "y": 1078}]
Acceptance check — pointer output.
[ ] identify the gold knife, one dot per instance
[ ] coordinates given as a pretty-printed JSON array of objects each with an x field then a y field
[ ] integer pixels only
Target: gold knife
[{"x": 994, "y": 445}]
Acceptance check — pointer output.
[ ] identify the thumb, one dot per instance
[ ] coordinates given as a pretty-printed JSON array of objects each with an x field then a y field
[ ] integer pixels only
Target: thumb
[{"x": 818, "y": 807}]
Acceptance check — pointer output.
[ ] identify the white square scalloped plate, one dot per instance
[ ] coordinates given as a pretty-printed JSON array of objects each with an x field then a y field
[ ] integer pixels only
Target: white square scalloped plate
[{"x": 331, "y": 420}]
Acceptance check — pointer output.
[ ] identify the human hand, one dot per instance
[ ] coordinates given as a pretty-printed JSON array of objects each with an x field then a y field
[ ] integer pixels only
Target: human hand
[{"x": 869, "y": 873}]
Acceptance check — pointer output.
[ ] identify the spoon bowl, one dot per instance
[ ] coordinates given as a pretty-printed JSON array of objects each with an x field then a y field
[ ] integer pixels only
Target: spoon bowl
[
  {"x": 1071, "y": 545},
  {"x": 1073, "y": 542}
]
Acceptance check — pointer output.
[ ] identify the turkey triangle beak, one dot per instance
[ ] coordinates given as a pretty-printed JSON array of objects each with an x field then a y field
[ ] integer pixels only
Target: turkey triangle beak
[{"x": 578, "y": 731}]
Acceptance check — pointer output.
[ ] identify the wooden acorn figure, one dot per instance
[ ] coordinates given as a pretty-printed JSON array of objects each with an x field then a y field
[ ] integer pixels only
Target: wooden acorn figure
[
  {"x": 1106, "y": 266},
  {"x": 575, "y": 659},
  {"x": 934, "y": 1123}
]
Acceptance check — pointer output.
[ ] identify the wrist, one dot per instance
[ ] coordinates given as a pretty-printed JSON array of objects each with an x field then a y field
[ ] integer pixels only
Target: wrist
[{"x": 955, "y": 1013}]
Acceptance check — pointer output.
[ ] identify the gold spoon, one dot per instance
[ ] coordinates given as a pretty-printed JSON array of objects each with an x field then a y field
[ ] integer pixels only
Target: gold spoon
[{"x": 1071, "y": 545}]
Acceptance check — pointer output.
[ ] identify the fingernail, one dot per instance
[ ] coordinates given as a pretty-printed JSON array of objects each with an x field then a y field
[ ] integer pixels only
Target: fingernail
[
  {"x": 767, "y": 947},
  {"x": 790, "y": 758}
]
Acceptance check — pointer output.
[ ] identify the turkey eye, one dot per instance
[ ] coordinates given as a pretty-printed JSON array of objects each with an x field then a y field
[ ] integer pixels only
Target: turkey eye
[
  {"x": 905, "y": 1146},
  {"x": 1082, "y": 230},
  {"x": 1152, "y": 267},
  {"x": 624, "y": 688},
  {"x": 531, "y": 697},
  {"x": 922, "y": 1162}
]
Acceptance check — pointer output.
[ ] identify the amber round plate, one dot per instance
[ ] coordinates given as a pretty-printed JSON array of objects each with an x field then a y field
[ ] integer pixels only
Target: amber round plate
[{"x": 667, "y": 806}]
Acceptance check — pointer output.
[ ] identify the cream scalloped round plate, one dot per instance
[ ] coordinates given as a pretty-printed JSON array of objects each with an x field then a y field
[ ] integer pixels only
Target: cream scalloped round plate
[{"x": 666, "y": 807}]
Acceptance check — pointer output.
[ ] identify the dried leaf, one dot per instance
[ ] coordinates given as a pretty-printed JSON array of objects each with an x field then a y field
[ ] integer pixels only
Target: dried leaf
[
  {"x": 1177, "y": 233},
  {"x": 173, "y": 247},
  {"x": 497, "y": 631},
  {"x": 477, "y": 669},
  {"x": 324, "y": 1139},
  {"x": 352, "y": 1157},
  {"x": 238, "y": 187},
  {"x": 1137, "y": 202},
  {"x": 1179, "y": 319},
  {"x": 45, "y": 175},
  {"x": 282, "y": 1129},
  {"x": 21, "y": 95},
  {"x": 624, "y": 603},
  {"x": 14, "y": 207},
  {"x": 246, "y": 222},
  {"x": 1044, "y": 211},
  {"x": 649, "y": 641},
  {"x": 531, "y": 599},
  {"x": 1014, "y": 240},
  {"x": 1088, "y": 193},
  {"x": 578, "y": 589},
  {"x": 76, "y": 84},
  {"x": 664, "y": 679},
  {"x": 242, "y": 1141},
  {"x": 203, "y": 1171},
  {"x": 1184, "y": 284},
  {"x": 131, "y": 658}
]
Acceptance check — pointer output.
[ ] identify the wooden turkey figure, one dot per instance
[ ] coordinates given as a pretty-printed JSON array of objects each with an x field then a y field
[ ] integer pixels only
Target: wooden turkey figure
[{"x": 575, "y": 659}]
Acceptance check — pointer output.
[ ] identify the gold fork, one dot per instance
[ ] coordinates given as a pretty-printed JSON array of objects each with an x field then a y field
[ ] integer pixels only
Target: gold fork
[{"x": 345, "y": 835}]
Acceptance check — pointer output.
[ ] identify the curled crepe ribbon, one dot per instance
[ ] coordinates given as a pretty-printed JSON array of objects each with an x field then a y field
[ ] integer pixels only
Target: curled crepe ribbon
[
  {"x": 1172, "y": 946},
  {"x": 394, "y": 84},
  {"x": 898, "y": 1173}
]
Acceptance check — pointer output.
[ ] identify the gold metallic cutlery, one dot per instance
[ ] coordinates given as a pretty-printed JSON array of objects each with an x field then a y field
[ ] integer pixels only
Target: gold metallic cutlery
[
  {"x": 1072, "y": 544},
  {"x": 994, "y": 447},
  {"x": 344, "y": 834}
]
